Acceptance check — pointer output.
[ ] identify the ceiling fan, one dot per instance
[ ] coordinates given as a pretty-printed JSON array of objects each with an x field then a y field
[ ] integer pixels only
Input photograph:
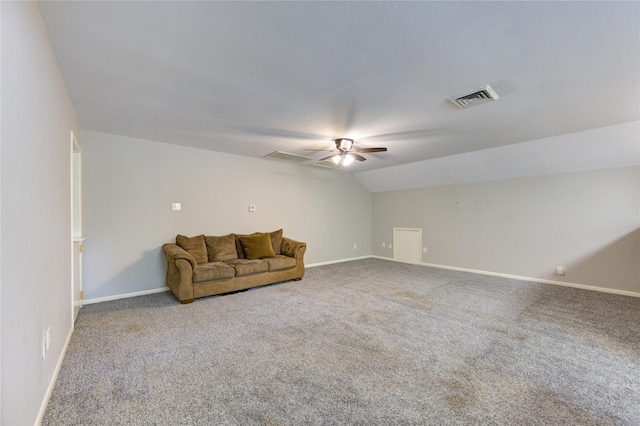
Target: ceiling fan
[{"x": 345, "y": 154}]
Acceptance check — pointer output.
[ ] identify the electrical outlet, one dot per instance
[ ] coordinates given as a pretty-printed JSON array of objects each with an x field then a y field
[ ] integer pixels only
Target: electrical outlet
[
  {"x": 424, "y": 249},
  {"x": 176, "y": 206},
  {"x": 252, "y": 208},
  {"x": 559, "y": 270},
  {"x": 390, "y": 245},
  {"x": 384, "y": 245},
  {"x": 355, "y": 246}
]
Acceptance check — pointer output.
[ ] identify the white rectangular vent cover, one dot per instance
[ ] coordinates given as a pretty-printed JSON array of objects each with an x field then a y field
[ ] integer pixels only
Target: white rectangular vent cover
[
  {"x": 280, "y": 155},
  {"x": 480, "y": 96}
]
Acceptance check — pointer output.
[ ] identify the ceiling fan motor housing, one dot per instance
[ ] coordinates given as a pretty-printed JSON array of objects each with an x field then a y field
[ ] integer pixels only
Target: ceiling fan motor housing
[{"x": 344, "y": 144}]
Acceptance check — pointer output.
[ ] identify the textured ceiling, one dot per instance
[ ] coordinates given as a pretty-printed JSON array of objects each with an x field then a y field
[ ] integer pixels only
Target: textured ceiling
[{"x": 250, "y": 78}]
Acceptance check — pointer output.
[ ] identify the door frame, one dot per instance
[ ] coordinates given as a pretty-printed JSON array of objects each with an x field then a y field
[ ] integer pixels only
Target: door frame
[{"x": 76, "y": 227}]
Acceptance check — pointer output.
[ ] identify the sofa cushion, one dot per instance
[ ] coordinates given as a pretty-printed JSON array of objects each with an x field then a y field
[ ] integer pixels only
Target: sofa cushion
[
  {"x": 220, "y": 249},
  {"x": 276, "y": 240},
  {"x": 239, "y": 245},
  {"x": 257, "y": 246},
  {"x": 195, "y": 246},
  {"x": 248, "y": 267},
  {"x": 281, "y": 262},
  {"x": 212, "y": 271}
]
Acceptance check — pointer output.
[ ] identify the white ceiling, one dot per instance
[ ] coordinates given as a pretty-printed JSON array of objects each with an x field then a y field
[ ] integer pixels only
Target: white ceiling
[{"x": 250, "y": 78}]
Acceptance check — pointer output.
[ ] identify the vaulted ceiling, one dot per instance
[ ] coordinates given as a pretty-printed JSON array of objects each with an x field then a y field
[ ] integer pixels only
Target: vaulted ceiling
[{"x": 250, "y": 78}]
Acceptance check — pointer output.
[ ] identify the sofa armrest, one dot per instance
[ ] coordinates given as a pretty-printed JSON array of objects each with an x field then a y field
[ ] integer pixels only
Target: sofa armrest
[
  {"x": 293, "y": 248},
  {"x": 174, "y": 252},
  {"x": 180, "y": 267}
]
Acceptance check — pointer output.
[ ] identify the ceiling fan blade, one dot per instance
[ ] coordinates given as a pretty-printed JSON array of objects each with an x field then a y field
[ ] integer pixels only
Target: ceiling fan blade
[
  {"x": 364, "y": 150},
  {"x": 318, "y": 150},
  {"x": 328, "y": 157},
  {"x": 357, "y": 156}
]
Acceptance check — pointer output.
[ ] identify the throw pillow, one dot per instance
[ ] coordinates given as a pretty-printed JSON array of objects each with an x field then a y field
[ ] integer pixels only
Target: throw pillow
[
  {"x": 257, "y": 246},
  {"x": 195, "y": 246},
  {"x": 220, "y": 249},
  {"x": 239, "y": 245},
  {"x": 276, "y": 241}
]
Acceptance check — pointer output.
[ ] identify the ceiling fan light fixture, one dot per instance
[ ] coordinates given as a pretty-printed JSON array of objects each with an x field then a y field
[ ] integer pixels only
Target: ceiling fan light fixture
[
  {"x": 347, "y": 159},
  {"x": 344, "y": 144},
  {"x": 344, "y": 156}
]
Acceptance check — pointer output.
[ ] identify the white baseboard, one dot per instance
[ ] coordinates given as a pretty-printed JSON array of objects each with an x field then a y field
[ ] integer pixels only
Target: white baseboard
[
  {"x": 52, "y": 383},
  {"x": 538, "y": 280},
  {"x": 523, "y": 278},
  {"x": 124, "y": 296},
  {"x": 331, "y": 262},
  {"x": 383, "y": 258}
]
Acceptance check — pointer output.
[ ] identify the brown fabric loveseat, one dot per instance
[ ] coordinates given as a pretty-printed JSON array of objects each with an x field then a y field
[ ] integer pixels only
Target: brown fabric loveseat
[{"x": 205, "y": 265}]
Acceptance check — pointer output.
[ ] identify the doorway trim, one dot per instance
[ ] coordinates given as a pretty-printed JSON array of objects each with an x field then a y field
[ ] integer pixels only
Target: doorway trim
[{"x": 77, "y": 238}]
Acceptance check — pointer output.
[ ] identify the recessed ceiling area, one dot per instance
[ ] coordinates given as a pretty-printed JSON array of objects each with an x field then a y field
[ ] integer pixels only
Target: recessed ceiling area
[{"x": 253, "y": 78}]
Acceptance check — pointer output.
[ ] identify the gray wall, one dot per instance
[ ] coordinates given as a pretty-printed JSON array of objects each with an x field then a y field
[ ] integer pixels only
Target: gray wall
[
  {"x": 37, "y": 118},
  {"x": 587, "y": 222},
  {"x": 129, "y": 185}
]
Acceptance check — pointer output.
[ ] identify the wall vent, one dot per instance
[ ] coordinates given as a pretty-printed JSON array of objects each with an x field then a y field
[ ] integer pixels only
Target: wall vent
[
  {"x": 477, "y": 97},
  {"x": 280, "y": 155}
]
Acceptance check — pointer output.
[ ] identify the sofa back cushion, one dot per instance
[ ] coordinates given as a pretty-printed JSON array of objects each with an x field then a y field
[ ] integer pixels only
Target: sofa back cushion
[
  {"x": 195, "y": 246},
  {"x": 222, "y": 248},
  {"x": 276, "y": 241},
  {"x": 256, "y": 246}
]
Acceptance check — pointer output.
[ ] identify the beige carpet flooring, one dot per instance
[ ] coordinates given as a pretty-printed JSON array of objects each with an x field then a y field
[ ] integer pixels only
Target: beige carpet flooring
[{"x": 368, "y": 342}]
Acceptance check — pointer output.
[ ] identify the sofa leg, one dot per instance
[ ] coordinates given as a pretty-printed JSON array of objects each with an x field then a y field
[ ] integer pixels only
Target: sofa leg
[
  {"x": 297, "y": 279},
  {"x": 184, "y": 302}
]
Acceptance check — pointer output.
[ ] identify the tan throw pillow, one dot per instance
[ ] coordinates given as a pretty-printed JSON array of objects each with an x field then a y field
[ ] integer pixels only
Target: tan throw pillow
[
  {"x": 276, "y": 241},
  {"x": 239, "y": 245},
  {"x": 257, "y": 246},
  {"x": 195, "y": 246},
  {"x": 220, "y": 249}
]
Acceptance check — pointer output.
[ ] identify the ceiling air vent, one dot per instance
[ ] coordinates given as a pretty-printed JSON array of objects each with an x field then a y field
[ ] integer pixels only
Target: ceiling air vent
[
  {"x": 280, "y": 155},
  {"x": 480, "y": 96}
]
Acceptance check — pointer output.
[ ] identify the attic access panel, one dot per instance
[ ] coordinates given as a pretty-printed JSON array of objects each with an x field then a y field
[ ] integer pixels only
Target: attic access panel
[{"x": 280, "y": 155}]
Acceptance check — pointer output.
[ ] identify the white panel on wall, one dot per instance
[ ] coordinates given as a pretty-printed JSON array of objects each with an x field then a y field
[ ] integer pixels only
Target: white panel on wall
[{"x": 407, "y": 245}]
